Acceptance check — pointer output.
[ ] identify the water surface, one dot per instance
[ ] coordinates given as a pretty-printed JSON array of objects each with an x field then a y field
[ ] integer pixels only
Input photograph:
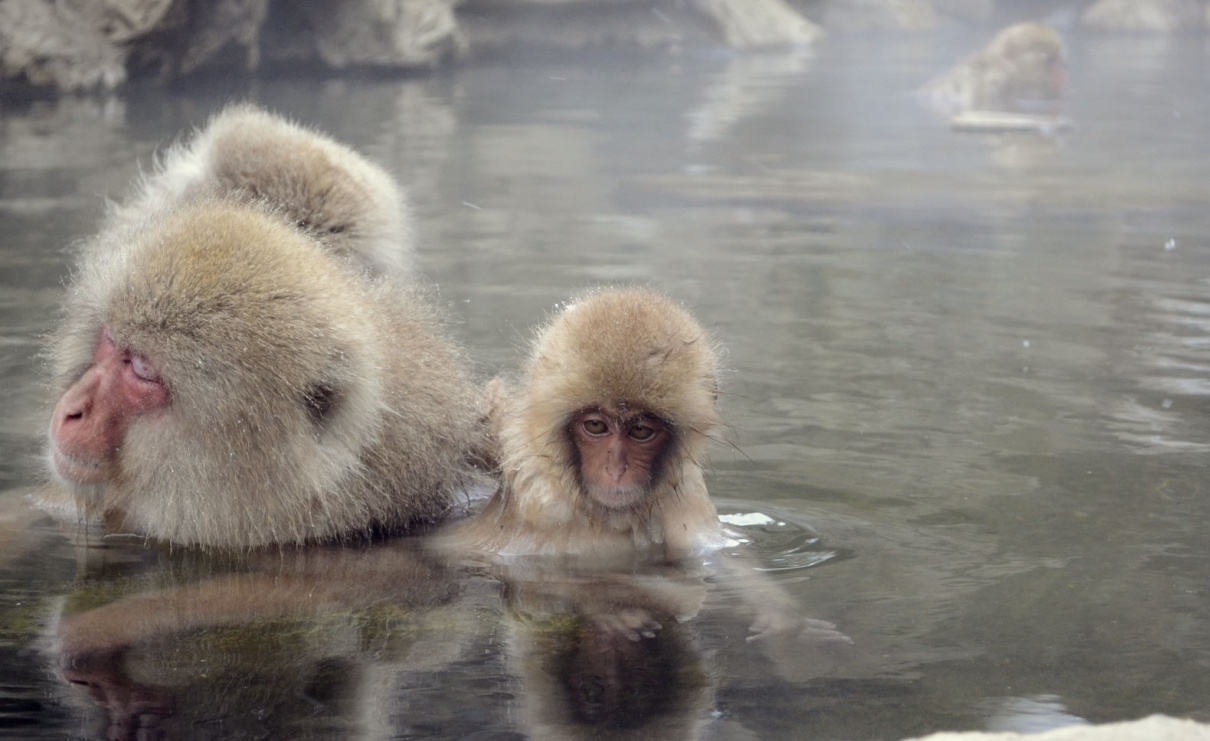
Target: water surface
[{"x": 967, "y": 384}]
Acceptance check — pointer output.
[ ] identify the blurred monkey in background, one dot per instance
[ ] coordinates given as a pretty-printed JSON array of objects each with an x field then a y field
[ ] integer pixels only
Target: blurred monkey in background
[{"x": 1022, "y": 62}]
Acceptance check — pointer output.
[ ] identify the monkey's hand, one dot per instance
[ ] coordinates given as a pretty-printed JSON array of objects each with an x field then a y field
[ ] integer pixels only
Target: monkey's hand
[
  {"x": 633, "y": 623},
  {"x": 781, "y": 621}
]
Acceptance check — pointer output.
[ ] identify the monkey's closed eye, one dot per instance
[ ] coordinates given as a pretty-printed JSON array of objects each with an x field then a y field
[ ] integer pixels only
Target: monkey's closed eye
[
  {"x": 144, "y": 368},
  {"x": 320, "y": 399}
]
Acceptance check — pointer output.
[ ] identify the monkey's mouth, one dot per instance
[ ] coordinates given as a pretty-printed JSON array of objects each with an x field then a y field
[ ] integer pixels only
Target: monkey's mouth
[
  {"x": 74, "y": 470},
  {"x": 620, "y": 497}
]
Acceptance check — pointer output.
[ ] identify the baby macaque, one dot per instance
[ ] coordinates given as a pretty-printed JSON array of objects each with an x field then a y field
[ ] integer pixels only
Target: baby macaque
[
  {"x": 601, "y": 449},
  {"x": 601, "y": 446},
  {"x": 340, "y": 199},
  {"x": 226, "y": 380},
  {"x": 1022, "y": 62}
]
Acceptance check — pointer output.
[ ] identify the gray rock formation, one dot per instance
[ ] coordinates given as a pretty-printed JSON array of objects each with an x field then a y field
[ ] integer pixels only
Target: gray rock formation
[{"x": 1156, "y": 16}]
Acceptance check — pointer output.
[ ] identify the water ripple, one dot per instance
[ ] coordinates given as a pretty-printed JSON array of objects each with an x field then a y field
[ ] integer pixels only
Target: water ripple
[{"x": 777, "y": 541}]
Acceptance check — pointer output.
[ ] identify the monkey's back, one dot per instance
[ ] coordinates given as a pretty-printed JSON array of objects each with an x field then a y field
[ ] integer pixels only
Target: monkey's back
[{"x": 434, "y": 431}]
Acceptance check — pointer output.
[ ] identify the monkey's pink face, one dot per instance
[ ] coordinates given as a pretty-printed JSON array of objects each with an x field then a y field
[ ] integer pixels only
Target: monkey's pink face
[
  {"x": 619, "y": 456},
  {"x": 90, "y": 420},
  {"x": 1058, "y": 76}
]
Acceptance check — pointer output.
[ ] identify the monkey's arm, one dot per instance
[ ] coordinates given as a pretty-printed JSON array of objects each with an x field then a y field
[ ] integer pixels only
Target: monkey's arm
[
  {"x": 800, "y": 648},
  {"x": 776, "y": 612}
]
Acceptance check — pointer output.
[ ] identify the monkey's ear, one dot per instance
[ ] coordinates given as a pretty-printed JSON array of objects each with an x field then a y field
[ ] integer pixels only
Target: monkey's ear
[{"x": 320, "y": 400}]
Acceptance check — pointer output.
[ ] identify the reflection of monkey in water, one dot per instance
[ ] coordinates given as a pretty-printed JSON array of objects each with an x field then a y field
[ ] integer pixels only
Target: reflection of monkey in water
[
  {"x": 608, "y": 656},
  {"x": 612, "y": 683},
  {"x": 297, "y": 643},
  {"x": 615, "y": 684},
  {"x": 615, "y": 655},
  {"x": 131, "y": 710}
]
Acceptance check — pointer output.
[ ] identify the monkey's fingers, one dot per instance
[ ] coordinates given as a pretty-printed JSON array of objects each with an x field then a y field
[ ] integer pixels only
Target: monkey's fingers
[
  {"x": 773, "y": 622},
  {"x": 633, "y": 623}
]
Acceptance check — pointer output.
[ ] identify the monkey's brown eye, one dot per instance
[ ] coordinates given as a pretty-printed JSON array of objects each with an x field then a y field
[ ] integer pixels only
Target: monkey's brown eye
[
  {"x": 642, "y": 432},
  {"x": 595, "y": 426}
]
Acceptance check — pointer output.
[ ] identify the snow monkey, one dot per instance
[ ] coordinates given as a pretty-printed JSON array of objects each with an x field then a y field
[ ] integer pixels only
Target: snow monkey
[
  {"x": 1024, "y": 61},
  {"x": 601, "y": 446},
  {"x": 228, "y": 378}
]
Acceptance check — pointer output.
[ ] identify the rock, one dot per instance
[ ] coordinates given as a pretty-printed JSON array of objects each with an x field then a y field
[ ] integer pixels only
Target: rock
[
  {"x": 348, "y": 34},
  {"x": 170, "y": 39},
  {"x": 494, "y": 26},
  {"x": 122, "y": 21},
  {"x": 754, "y": 24},
  {"x": 1155, "y": 16},
  {"x": 970, "y": 11},
  {"x": 189, "y": 37},
  {"x": 225, "y": 35},
  {"x": 512, "y": 27},
  {"x": 52, "y": 45},
  {"x": 99, "y": 44},
  {"x": 879, "y": 15}
]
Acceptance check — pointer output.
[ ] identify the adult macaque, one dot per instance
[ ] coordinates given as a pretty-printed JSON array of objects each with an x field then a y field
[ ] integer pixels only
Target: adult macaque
[
  {"x": 601, "y": 447},
  {"x": 227, "y": 381},
  {"x": 1022, "y": 62},
  {"x": 336, "y": 196}
]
